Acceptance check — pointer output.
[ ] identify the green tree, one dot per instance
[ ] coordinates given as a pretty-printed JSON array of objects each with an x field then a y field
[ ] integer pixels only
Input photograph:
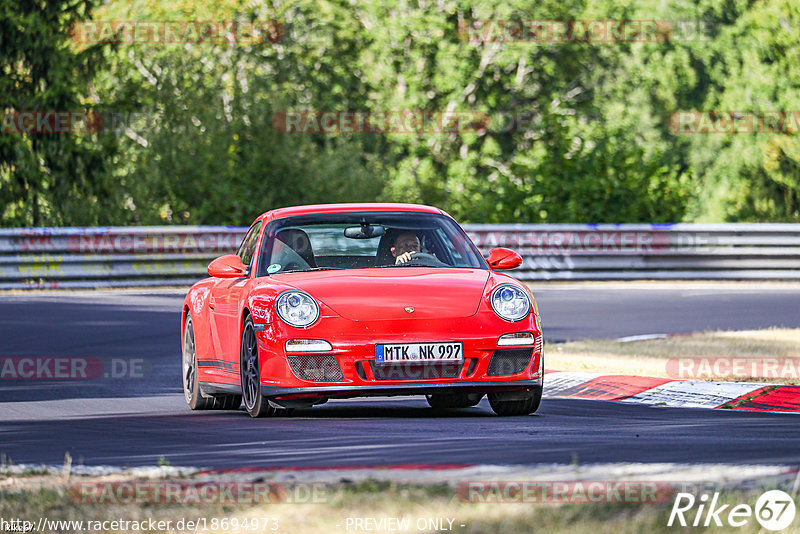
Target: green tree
[
  {"x": 49, "y": 179},
  {"x": 205, "y": 149},
  {"x": 752, "y": 66},
  {"x": 578, "y": 131},
  {"x": 562, "y": 147}
]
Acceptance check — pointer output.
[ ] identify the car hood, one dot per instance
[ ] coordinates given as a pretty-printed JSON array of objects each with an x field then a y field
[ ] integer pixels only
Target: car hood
[{"x": 385, "y": 293}]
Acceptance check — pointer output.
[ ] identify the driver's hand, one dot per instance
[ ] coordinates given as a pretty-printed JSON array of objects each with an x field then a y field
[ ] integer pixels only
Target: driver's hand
[{"x": 404, "y": 257}]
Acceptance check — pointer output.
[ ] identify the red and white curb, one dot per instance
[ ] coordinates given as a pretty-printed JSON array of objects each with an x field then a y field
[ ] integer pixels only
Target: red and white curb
[{"x": 752, "y": 396}]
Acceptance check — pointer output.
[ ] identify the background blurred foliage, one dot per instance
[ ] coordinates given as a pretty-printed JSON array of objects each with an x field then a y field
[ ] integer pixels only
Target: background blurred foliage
[{"x": 579, "y": 131}]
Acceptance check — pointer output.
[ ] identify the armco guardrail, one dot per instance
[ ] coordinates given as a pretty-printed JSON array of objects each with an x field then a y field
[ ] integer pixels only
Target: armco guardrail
[
  {"x": 112, "y": 256},
  {"x": 731, "y": 251},
  {"x": 179, "y": 255}
]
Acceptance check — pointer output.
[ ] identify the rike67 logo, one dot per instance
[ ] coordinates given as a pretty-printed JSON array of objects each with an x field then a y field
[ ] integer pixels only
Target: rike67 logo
[{"x": 774, "y": 510}]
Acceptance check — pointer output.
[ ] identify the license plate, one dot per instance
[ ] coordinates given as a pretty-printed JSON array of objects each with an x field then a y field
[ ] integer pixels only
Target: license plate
[{"x": 420, "y": 353}]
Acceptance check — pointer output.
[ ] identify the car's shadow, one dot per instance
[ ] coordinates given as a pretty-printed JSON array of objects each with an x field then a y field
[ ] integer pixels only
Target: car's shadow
[{"x": 393, "y": 410}]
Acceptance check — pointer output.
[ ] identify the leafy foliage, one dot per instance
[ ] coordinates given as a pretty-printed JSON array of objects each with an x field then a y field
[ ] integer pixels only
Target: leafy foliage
[
  {"x": 577, "y": 131},
  {"x": 49, "y": 178}
]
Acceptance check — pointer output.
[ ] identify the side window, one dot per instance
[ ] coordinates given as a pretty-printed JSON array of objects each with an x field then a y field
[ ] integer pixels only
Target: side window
[{"x": 248, "y": 246}]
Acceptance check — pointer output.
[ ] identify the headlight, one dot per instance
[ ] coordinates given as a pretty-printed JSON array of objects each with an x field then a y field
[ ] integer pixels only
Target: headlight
[
  {"x": 510, "y": 302},
  {"x": 297, "y": 308}
]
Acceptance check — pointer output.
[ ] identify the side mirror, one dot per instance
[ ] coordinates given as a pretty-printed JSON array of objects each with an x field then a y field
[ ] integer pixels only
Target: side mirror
[
  {"x": 501, "y": 259},
  {"x": 228, "y": 266}
]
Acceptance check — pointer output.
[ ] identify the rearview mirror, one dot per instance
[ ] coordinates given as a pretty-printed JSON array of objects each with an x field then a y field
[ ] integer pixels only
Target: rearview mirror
[
  {"x": 365, "y": 231},
  {"x": 228, "y": 266},
  {"x": 501, "y": 259}
]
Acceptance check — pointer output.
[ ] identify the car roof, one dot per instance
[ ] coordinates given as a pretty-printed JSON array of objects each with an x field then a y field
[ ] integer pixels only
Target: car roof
[{"x": 343, "y": 208}]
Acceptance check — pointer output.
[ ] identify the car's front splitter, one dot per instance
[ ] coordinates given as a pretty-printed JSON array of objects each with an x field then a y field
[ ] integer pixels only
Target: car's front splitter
[{"x": 387, "y": 390}]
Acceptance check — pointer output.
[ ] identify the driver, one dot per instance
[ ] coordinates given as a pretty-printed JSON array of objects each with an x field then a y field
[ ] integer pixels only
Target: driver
[{"x": 405, "y": 245}]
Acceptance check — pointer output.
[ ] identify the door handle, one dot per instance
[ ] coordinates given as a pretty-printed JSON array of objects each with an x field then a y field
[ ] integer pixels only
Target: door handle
[{"x": 212, "y": 303}]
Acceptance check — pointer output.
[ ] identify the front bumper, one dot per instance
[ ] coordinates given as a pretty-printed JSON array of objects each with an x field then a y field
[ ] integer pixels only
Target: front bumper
[
  {"x": 309, "y": 395},
  {"x": 388, "y": 390},
  {"x": 353, "y": 347}
]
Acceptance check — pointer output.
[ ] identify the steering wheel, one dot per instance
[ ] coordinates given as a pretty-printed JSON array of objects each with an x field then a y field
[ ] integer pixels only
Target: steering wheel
[{"x": 420, "y": 258}]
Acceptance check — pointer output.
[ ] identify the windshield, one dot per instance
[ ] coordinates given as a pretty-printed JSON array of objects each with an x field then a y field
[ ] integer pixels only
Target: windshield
[{"x": 366, "y": 240}]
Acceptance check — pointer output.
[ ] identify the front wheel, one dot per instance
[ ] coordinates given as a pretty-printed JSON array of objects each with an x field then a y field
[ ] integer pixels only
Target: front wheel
[
  {"x": 254, "y": 402},
  {"x": 515, "y": 404}
]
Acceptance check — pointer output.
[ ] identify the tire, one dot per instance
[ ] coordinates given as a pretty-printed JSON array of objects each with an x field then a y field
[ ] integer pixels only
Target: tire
[
  {"x": 191, "y": 386},
  {"x": 449, "y": 401},
  {"x": 191, "y": 382},
  {"x": 254, "y": 402},
  {"x": 524, "y": 406}
]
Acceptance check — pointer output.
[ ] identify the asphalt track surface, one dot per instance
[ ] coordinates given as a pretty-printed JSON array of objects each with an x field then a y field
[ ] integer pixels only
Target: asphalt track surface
[{"x": 137, "y": 420}]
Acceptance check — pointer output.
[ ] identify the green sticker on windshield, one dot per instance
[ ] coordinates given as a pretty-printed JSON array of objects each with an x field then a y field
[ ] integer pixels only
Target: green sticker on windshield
[{"x": 274, "y": 268}]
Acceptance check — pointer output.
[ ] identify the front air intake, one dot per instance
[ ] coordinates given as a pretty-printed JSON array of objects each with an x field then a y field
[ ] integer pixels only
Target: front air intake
[
  {"x": 416, "y": 371},
  {"x": 319, "y": 368},
  {"x": 509, "y": 361}
]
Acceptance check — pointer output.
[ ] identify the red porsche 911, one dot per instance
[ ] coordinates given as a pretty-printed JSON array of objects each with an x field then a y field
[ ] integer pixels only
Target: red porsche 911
[{"x": 351, "y": 300}]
